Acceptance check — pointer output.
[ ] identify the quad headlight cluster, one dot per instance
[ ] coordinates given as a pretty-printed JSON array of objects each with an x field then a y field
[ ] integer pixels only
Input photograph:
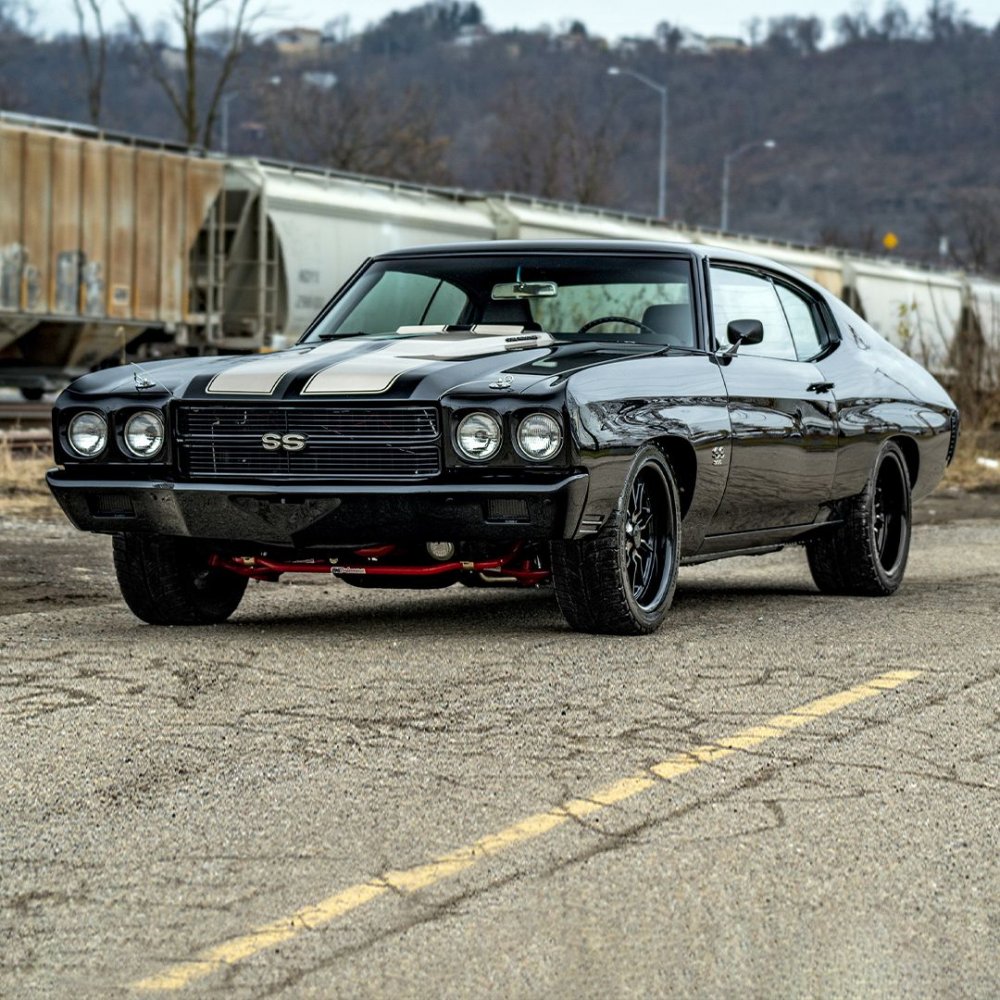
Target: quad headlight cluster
[
  {"x": 537, "y": 436},
  {"x": 142, "y": 437}
]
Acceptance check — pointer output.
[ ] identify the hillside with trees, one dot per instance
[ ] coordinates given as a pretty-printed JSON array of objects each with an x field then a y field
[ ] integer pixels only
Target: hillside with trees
[{"x": 880, "y": 123}]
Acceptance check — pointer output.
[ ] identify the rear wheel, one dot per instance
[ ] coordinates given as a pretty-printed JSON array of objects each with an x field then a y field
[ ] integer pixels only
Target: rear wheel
[
  {"x": 168, "y": 581},
  {"x": 866, "y": 555},
  {"x": 621, "y": 581}
]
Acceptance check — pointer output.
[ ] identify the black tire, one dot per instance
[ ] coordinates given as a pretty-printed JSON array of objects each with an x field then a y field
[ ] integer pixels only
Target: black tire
[
  {"x": 32, "y": 393},
  {"x": 608, "y": 584},
  {"x": 866, "y": 555},
  {"x": 167, "y": 581}
]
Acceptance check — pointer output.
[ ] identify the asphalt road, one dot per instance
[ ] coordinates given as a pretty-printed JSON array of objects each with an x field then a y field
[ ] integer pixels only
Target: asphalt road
[{"x": 360, "y": 794}]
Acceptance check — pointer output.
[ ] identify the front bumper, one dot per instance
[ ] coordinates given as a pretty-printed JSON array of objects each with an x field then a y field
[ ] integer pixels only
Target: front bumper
[{"x": 317, "y": 517}]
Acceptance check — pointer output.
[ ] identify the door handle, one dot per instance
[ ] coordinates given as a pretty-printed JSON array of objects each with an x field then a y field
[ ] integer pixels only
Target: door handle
[{"x": 820, "y": 386}]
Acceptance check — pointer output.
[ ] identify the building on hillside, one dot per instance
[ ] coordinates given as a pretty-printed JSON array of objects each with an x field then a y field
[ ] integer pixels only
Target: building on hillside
[{"x": 298, "y": 41}]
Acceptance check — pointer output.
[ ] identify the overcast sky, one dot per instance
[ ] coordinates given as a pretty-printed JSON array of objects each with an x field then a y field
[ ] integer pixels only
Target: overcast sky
[{"x": 610, "y": 18}]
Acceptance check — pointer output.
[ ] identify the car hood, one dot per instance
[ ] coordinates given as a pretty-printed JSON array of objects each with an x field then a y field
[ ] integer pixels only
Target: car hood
[{"x": 420, "y": 367}]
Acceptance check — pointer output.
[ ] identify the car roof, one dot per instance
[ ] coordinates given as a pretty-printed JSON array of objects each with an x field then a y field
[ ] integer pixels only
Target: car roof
[{"x": 697, "y": 251}]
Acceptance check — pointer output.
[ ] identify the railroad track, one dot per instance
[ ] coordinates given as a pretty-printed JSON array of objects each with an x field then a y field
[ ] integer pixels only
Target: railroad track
[
  {"x": 25, "y": 428},
  {"x": 37, "y": 441},
  {"x": 21, "y": 413}
]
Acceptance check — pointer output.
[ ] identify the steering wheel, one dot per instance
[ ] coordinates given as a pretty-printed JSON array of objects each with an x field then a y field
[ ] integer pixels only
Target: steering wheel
[{"x": 617, "y": 319}]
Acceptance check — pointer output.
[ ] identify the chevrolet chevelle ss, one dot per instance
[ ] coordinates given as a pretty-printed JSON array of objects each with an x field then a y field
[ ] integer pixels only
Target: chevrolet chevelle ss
[{"x": 585, "y": 415}]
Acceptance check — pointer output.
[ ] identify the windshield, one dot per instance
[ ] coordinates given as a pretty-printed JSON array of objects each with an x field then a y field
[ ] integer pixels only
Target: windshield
[{"x": 639, "y": 300}]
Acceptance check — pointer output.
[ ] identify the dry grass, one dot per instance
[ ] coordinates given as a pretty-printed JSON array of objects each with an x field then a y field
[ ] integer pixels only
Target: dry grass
[
  {"x": 965, "y": 471},
  {"x": 22, "y": 484},
  {"x": 980, "y": 438}
]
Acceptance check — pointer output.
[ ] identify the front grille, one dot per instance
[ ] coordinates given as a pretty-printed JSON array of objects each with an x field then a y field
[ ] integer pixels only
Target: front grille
[{"x": 367, "y": 443}]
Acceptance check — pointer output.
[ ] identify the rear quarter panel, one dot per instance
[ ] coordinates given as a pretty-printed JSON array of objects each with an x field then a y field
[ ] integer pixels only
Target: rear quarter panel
[{"x": 881, "y": 393}]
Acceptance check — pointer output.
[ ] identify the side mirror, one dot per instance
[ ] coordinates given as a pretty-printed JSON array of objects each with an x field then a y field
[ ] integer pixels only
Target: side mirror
[
  {"x": 744, "y": 331},
  {"x": 741, "y": 331}
]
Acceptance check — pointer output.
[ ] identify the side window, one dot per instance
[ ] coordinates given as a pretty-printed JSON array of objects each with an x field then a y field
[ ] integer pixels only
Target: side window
[
  {"x": 803, "y": 321},
  {"x": 739, "y": 295}
]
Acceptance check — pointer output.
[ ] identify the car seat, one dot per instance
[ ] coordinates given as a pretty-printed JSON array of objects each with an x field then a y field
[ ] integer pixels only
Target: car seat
[{"x": 674, "y": 323}]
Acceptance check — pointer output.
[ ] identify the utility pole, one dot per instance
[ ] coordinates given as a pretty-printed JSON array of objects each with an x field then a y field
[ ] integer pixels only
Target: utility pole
[
  {"x": 661, "y": 89},
  {"x": 726, "y": 161}
]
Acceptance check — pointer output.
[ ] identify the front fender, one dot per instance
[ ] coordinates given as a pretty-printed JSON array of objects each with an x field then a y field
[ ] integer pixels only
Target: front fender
[{"x": 672, "y": 402}]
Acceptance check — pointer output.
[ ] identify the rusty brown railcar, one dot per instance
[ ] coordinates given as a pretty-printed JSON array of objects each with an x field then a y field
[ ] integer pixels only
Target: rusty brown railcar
[{"x": 97, "y": 238}]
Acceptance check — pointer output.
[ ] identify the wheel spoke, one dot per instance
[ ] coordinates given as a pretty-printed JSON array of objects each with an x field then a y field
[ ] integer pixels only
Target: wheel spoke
[{"x": 646, "y": 547}]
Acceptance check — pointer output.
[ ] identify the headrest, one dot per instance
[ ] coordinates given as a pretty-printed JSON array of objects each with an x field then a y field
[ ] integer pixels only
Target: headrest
[{"x": 674, "y": 323}]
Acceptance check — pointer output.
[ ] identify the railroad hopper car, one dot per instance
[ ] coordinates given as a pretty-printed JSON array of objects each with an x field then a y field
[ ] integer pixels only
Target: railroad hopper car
[
  {"x": 97, "y": 239},
  {"x": 115, "y": 246}
]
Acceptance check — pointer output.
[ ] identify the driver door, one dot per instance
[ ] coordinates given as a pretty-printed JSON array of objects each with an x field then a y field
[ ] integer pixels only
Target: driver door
[{"x": 782, "y": 413}]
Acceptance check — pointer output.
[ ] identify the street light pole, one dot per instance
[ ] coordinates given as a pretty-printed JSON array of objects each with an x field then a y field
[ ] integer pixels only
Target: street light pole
[
  {"x": 661, "y": 89},
  {"x": 226, "y": 98},
  {"x": 726, "y": 161}
]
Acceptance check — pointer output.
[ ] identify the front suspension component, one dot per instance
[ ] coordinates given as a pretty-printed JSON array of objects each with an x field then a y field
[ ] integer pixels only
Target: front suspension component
[{"x": 513, "y": 566}]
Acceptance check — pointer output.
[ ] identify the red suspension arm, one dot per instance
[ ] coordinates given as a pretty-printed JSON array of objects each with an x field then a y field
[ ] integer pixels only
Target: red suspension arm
[{"x": 262, "y": 568}]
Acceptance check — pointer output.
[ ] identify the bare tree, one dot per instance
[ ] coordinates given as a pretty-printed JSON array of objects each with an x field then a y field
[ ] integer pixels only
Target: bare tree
[
  {"x": 363, "y": 126},
  {"x": 547, "y": 143},
  {"x": 17, "y": 17},
  {"x": 800, "y": 35},
  {"x": 15, "y": 21},
  {"x": 976, "y": 221},
  {"x": 195, "y": 103},
  {"x": 95, "y": 55}
]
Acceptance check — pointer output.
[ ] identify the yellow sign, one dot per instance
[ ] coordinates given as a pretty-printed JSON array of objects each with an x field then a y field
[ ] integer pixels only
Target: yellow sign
[{"x": 890, "y": 241}]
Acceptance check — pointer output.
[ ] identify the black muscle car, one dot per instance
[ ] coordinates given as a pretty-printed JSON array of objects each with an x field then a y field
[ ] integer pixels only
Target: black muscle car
[{"x": 581, "y": 414}]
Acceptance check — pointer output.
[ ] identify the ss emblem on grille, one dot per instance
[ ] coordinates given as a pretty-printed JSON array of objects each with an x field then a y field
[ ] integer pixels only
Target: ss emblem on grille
[{"x": 290, "y": 442}]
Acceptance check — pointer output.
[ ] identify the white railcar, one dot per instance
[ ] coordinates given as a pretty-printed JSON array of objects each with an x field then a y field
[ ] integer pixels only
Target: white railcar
[
  {"x": 918, "y": 311},
  {"x": 280, "y": 239}
]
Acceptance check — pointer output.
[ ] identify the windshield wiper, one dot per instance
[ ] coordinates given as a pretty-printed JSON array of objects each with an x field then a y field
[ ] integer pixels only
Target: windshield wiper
[{"x": 337, "y": 336}]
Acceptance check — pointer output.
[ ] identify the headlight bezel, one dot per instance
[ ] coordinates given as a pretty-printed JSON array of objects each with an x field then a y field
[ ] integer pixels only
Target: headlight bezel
[
  {"x": 104, "y": 438},
  {"x": 479, "y": 459},
  {"x": 132, "y": 452},
  {"x": 559, "y": 437}
]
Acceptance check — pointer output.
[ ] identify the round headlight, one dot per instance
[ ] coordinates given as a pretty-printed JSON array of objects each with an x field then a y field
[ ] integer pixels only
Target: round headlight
[
  {"x": 539, "y": 437},
  {"x": 144, "y": 434},
  {"x": 479, "y": 436},
  {"x": 88, "y": 434}
]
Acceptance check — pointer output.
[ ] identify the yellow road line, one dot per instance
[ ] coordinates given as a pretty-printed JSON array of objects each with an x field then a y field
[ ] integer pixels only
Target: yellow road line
[{"x": 412, "y": 879}]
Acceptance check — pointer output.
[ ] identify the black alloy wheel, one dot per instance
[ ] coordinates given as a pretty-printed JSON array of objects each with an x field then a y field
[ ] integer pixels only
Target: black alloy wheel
[
  {"x": 866, "y": 554},
  {"x": 890, "y": 513},
  {"x": 621, "y": 581},
  {"x": 646, "y": 540}
]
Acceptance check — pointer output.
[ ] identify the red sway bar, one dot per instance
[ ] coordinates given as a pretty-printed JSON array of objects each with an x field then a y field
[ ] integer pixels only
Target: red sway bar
[{"x": 262, "y": 568}]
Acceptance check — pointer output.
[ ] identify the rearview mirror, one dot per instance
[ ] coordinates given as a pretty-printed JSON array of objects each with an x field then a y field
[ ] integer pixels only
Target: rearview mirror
[{"x": 526, "y": 290}]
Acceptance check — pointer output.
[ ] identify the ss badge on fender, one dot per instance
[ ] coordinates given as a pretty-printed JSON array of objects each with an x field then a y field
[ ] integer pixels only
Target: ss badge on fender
[{"x": 290, "y": 442}]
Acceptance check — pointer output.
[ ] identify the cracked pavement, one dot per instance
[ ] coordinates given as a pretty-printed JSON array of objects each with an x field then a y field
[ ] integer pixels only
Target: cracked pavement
[{"x": 167, "y": 789}]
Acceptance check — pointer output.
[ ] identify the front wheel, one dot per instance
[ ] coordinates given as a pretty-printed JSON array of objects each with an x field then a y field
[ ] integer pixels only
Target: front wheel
[
  {"x": 168, "y": 581},
  {"x": 866, "y": 555},
  {"x": 622, "y": 580}
]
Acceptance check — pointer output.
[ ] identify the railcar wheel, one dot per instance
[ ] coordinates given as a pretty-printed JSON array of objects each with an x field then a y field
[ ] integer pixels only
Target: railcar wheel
[
  {"x": 866, "y": 555},
  {"x": 167, "y": 581},
  {"x": 621, "y": 581}
]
